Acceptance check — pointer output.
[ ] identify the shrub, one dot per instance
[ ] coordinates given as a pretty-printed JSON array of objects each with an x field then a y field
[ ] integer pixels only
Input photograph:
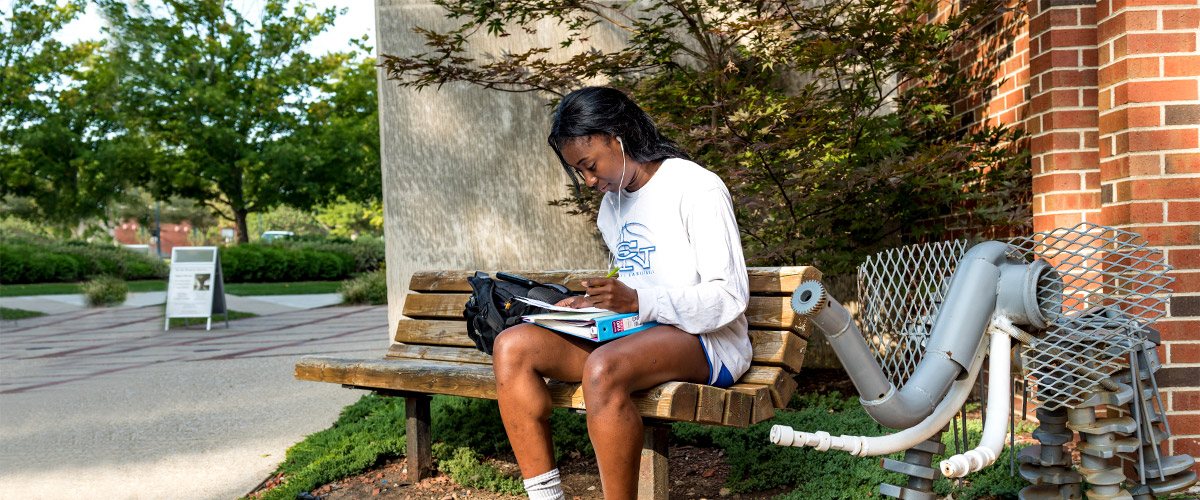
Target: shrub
[
  {"x": 370, "y": 288},
  {"x": 33, "y": 259},
  {"x": 104, "y": 291},
  {"x": 363, "y": 255}
]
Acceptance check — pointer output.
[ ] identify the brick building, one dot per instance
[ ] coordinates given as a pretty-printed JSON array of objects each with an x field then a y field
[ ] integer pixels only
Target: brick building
[
  {"x": 173, "y": 235},
  {"x": 1109, "y": 94}
]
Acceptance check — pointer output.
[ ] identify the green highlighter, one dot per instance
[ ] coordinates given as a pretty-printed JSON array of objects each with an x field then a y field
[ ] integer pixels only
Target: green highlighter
[{"x": 612, "y": 273}]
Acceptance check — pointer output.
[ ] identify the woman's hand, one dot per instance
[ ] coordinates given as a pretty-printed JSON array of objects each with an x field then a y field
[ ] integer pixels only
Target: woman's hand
[
  {"x": 575, "y": 302},
  {"x": 611, "y": 294}
]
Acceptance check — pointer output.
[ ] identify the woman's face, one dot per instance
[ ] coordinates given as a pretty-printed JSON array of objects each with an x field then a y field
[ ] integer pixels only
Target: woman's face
[{"x": 599, "y": 159}]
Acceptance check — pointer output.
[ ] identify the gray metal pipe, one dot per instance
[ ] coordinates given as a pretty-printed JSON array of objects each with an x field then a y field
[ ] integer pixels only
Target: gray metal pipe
[
  {"x": 961, "y": 323},
  {"x": 839, "y": 328}
]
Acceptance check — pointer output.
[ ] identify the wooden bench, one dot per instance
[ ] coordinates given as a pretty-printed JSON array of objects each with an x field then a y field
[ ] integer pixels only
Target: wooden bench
[{"x": 432, "y": 355}]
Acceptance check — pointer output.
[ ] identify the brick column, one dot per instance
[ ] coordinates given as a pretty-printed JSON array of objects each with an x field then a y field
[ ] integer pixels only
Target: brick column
[
  {"x": 1062, "y": 122},
  {"x": 1149, "y": 111}
]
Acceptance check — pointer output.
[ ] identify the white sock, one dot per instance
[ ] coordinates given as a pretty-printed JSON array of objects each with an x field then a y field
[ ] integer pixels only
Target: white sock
[{"x": 544, "y": 487}]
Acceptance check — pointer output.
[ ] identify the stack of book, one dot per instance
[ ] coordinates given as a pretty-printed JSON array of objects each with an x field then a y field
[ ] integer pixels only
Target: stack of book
[{"x": 590, "y": 323}]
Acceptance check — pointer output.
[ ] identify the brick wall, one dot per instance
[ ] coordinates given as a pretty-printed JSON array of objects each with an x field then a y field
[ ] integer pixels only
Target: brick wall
[
  {"x": 1149, "y": 130},
  {"x": 1109, "y": 94}
]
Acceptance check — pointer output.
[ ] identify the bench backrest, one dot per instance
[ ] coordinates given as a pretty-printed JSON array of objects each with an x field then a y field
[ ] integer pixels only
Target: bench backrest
[{"x": 438, "y": 332}]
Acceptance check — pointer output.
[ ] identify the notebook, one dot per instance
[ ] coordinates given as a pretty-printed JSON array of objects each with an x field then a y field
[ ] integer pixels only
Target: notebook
[{"x": 597, "y": 326}]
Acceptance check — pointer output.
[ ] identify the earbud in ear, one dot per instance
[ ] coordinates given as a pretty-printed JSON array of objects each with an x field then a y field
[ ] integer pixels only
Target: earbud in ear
[{"x": 620, "y": 141}]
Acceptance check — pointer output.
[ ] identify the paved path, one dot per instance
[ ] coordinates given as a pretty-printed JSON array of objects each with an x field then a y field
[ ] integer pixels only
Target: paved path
[
  {"x": 259, "y": 304},
  {"x": 102, "y": 403}
]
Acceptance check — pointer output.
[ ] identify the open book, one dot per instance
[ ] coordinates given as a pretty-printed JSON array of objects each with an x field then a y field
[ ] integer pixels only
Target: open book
[{"x": 598, "y": 326}]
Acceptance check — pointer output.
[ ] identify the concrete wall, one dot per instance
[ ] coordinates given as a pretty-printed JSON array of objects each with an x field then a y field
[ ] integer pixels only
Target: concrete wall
[{"x": 467, "y": 173}]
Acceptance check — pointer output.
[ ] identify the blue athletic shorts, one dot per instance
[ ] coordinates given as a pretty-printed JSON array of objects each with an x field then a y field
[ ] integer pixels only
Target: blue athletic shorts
[{"x": 718, "y": 373}]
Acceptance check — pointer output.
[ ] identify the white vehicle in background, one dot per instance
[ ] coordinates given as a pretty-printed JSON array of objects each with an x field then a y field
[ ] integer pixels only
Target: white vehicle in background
[{"x": 269, "y": 236}]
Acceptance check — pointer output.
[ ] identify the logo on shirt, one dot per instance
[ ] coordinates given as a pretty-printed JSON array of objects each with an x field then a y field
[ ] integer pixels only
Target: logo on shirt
[{"x": 635, "y": 248}]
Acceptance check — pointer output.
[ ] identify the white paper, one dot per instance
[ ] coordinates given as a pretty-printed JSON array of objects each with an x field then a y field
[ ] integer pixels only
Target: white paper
[{"x": 552, "y": 307}]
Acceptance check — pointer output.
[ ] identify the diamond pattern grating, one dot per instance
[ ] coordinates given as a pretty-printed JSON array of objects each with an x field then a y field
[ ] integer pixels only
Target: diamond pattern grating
[
  {"x": 900, "y": 292},
  {"x": 1105, "y": 288}
]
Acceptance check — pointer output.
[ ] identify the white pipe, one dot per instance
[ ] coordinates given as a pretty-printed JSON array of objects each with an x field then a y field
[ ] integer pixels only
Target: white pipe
[
  {"x": 865, "y": 446},
  {"x": 995, "y": 427}
]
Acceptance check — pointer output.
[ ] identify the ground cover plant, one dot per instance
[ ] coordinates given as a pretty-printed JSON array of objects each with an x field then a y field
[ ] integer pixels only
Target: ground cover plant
[
  {"x": 806, "y": 473},
  {"x": 372, "y": 430},
  {"x": 468, "y": 431},
  {"x": 832, "y": 122}
]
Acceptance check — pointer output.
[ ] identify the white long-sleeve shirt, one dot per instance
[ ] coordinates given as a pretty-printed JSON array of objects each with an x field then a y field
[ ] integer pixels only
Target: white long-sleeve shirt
[{"x": 676, "y": 242}]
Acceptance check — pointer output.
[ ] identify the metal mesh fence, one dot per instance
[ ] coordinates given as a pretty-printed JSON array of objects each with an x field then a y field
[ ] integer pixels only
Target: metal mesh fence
[
  {"x": 1105, "y": 287},
  {"x": 900, "y": 292}
]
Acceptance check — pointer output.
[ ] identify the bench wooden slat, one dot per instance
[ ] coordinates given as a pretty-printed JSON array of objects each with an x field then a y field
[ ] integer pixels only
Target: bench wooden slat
[
  {"x": 739, "y": 408},
  {"x": 669, "y": 401},
  {"x": 710, "y": 409},
  {"x": 777, "y": 381},
  {"x": 433, "y": 332},
  {"x": 771, "y": 347},
  {"x": 439, "y": 353},
  {"x": 763, "y": 280},
  {"x": 764, "y": 408},
  {"x": 773, "y": 313}
]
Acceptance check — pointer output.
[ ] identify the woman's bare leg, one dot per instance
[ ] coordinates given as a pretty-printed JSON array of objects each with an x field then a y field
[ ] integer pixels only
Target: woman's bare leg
[
  {"x": 523, "y": 355},
  {"x": 611, "y": 374}
]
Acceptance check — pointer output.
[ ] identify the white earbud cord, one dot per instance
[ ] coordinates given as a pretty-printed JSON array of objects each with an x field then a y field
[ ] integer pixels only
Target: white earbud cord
[{"x": 620, "y": 187}]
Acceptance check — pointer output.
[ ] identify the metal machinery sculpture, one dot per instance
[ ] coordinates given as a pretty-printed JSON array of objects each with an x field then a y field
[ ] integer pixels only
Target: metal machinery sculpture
[{"x": 1067, "y": 312}]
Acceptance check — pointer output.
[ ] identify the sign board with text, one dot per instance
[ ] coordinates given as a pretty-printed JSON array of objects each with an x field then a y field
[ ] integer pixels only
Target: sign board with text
[{"x": 196, "y": 288}]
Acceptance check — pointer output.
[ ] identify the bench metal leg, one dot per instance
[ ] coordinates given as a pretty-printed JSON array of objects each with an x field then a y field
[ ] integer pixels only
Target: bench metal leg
[
  {"x": 417, "y": 438},
  {"x": 652, "y": 474}
]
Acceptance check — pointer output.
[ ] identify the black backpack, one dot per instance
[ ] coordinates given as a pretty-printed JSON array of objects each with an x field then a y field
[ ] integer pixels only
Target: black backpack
[{"x": 493, "y": 306}]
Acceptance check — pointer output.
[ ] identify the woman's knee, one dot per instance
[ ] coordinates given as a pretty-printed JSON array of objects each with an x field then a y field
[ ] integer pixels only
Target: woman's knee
[
  {"x": 513, "y": 347},
  {"x": 605, "y": 374}
]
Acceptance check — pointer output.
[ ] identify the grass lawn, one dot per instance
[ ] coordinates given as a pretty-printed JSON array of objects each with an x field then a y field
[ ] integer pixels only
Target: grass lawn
[
  {"x": 295, "y": 288},
  {"x": 10, "y": 314},
  {"x": 69, "y": 288},
  {"x": 217, "y": 320}
]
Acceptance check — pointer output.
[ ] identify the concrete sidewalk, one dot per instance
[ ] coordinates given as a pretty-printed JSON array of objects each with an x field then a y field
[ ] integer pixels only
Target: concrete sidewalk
[
  {"x": 102, "y": 403},
  {"x": 258, "y": 304}
]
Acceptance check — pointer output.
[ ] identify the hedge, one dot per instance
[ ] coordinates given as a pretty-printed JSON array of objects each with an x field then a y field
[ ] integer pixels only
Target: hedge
[
  {"x": 275, "y": 263},
  {"x": 45, "y": 261},
  {"x": 367, "y": 252},
  {"x": 29, "y": 259}
]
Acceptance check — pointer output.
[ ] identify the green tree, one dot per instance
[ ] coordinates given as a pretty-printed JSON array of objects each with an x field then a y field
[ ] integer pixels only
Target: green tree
[
  {"x": 829, "y": 120},
  {"x": 342, "y": 131},
  {"x": 230, "y": 103},
  {"x": 65, "y": 154},
  {"x": 350, "y": 219}
]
